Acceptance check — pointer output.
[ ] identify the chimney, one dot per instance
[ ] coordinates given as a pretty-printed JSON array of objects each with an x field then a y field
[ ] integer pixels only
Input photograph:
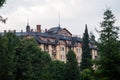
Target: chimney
[
  {"x": 38, "y": 28},
  {"x": 45, "y": 30},
  {"x": 5, "y": 31}
]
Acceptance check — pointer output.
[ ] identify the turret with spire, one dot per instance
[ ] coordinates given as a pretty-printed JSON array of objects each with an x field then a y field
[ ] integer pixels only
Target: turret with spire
[{"x": 27, "y": 27}]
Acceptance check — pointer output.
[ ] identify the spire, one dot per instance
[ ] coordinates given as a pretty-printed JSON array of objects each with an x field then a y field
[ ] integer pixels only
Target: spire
[
  {"x": 27, "y": 27},
  {"x": 86, "y": 30}
]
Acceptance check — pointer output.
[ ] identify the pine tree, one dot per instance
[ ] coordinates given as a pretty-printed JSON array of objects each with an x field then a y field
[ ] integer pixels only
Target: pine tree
[
  {"x": 72, "y": 69},
  {"x": 86, "y": 55},
  {"x": 108, "y": 64}
]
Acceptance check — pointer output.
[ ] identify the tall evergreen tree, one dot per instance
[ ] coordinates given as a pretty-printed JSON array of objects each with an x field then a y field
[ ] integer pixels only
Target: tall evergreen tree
[
  {"x": 108, "y": 64},
  {"x": 72, "y": 69},
  {"x": 86, "y": 55}
]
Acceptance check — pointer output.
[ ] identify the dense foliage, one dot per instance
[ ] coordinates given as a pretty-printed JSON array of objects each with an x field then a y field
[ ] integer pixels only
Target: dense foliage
[
  {"x": 87, "y": 74},
  {"x": 21, "y": 58},
  {"x": 72, "y": 69},
  {"x": 8, "y": 45},
  {"x": 55, "y": 71}
]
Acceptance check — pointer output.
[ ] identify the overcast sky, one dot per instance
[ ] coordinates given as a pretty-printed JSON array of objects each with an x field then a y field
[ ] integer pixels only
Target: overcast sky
[{"x": 74, "y": 14}]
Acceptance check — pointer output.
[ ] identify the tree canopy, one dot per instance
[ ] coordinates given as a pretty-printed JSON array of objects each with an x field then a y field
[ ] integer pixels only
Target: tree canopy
[
  {"x": 8, "y": 47},
  {"x": 55, "y": 71}
]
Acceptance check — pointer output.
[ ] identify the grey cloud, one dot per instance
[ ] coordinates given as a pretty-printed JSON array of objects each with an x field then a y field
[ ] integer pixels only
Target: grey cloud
[{"x": 13, "y": 5}]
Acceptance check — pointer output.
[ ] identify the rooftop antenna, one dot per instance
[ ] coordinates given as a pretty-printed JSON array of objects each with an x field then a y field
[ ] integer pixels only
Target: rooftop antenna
[
  {"x": 59, "y": 18},
  {"x": 27, "y": 21}
]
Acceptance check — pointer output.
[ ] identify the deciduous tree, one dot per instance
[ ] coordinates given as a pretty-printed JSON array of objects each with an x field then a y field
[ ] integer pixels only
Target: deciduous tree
[{"x": 7, "y": 56}]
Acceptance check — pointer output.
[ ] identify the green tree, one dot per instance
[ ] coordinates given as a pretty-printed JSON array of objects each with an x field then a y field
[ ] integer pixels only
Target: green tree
[
  {"x": 40, "y": 61},
  {"x": 72, "y": 69},
  {"x": 23, "y": 58},
  {"x": 55, "y": 71},
  {"x": 86, "y": 55},
  {"x": 108, "y": 63},
  {"x": 31, "y": 61},
  {"x": 87, "y": 74},
  {"x": 7, "y": 56}
]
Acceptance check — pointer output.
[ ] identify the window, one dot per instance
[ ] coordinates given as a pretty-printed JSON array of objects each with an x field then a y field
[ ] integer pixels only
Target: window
[
  {"x": 62, "y": 48},
  {"x": 78, "y": 50},
  {"x": 78, "y": 55},
  {"x": 46, "y": 47},
  {"x": 53, "y": 55},
  {"x": 62, "y": 56},
  {"x": 53, "y": 48}
]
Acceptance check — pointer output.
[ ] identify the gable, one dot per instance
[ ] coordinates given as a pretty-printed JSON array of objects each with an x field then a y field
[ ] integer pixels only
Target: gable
[{"x": 65, "y": 32}]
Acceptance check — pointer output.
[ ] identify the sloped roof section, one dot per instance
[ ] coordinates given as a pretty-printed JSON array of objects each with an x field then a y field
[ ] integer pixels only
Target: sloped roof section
[{"x": 54, "y": 30}]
